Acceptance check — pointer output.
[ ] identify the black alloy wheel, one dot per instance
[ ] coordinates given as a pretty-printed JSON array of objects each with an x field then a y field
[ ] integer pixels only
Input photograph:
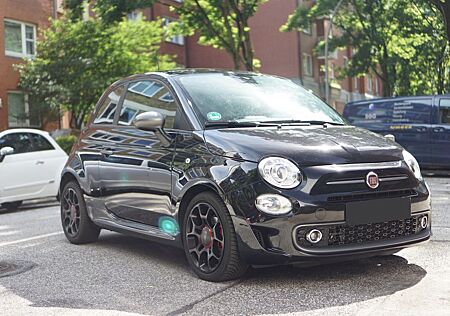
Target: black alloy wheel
[
  {"x": 71, "y": 212},
  {"x": 210, "y": 241},
  {"x": 77, "y": 225},
  {"x": 204, "y": 234}
]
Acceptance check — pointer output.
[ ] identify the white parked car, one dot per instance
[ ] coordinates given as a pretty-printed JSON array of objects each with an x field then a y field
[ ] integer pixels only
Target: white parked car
[{"x": 30, "y": 166}]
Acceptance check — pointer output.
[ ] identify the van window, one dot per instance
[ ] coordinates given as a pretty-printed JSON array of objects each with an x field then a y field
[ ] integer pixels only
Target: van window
[
  {"x": 395, "y": 112},
  {"x": 444, "y": 111}
]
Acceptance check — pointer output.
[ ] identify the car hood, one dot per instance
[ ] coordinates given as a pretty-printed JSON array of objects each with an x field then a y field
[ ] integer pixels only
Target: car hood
[{"x": 308, "y": 146}]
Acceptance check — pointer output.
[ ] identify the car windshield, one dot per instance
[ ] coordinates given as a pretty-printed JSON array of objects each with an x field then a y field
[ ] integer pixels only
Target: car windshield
[{"x": 249, "y": 97}]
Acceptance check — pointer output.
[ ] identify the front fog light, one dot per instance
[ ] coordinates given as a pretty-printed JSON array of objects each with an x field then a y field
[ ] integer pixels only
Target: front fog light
[
  {"x": 314, "y": 236},
  {"x": 273, "y": 204}
]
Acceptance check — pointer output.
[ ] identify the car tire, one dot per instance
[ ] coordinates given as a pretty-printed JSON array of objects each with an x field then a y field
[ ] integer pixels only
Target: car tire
[
  {"x": 12, "y": 206},
  {"x": 77, "y": 226},
  {"x": 209, "y": 239}
]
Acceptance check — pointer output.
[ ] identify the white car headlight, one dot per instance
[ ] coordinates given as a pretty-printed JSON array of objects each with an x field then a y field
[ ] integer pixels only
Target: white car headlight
[
  {"x": 412, "y": 164},
  {"x": 280, "y": 172}
]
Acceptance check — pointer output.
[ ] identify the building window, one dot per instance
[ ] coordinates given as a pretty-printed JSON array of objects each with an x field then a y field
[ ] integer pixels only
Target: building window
[
  {"x": 332, "y": 75},
  {"x": 369, "y": 84},
  {"x": 20, "y": 39},
  {"x": 377, "y": 86},
  {"x": 134, "y": 16},
  {"x": 307, "y": 65},
  {"x": 176, "y": 39},
  {"x": 19, "y": 111},
  {"x": 356, "y": 80},
  {"x": 308, "y": 29}
]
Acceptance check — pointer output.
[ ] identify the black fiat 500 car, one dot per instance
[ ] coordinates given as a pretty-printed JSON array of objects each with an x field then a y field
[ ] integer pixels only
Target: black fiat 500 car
[{"x": 239, "y": 169}]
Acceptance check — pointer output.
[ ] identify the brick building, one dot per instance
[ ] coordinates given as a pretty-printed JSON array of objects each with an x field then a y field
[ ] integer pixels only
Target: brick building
[{"x": 291, "y": 55}]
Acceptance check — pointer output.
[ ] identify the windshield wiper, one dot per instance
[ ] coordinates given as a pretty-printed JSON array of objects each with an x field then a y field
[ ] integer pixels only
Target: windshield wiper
[
  {"x": 323, "y": 123},
  {"x": 230, "y": 124},
  {"x": 304, "y": 123}
]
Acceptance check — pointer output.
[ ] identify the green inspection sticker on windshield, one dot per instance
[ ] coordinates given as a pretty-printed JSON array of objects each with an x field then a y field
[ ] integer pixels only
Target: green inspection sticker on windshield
[{"x": 214, "y": 116}]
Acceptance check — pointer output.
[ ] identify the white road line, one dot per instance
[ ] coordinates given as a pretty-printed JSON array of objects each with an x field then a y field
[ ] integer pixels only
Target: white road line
[{"x": 28, "y": 239}]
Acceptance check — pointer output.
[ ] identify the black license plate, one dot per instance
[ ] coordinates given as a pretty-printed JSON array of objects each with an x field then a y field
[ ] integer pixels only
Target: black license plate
[{"x": 377, "y": 211}]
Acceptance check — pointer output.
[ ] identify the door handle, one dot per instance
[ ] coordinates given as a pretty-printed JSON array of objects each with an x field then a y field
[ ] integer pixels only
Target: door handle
[
  {"x": 107, "y": 152},
  {"x": 421, "y": 129},
  {"x": 40, "y": 162}
]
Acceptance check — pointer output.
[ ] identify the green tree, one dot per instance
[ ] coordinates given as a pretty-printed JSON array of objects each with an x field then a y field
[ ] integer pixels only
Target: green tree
[
  {"x": 109, "y": 11},
  {"x": 223, "y": 25},
  {"x": 76, "y": 61},
  {"x": 400, "y": 41},
  {"x": 444, "y": 8}
]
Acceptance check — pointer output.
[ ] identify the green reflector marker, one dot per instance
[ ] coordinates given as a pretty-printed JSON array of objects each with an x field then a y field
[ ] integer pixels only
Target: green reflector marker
[{"x": 168, "y": 225}]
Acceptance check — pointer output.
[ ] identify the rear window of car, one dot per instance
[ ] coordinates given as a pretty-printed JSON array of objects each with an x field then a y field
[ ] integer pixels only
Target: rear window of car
[
  {"x": 391, "y": 112},
  {"x": 40, "y": 143}
]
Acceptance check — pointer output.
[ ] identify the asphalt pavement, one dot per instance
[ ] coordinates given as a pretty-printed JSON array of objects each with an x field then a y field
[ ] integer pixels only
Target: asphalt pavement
[{"x": 120, "y": 275}]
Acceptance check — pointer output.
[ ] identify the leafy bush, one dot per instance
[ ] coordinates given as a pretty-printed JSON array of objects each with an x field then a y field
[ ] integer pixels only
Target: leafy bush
[{"x": 66, "y": 142}]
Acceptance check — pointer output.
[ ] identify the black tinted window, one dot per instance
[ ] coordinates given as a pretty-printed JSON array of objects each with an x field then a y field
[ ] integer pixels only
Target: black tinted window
[
  {"x": 40, "y": 143},
  {"x": 444, "y": 111},
  {"x": 21, "y": 142},
  {"x": 107, "y": 109},
  {"x": 148, "y": 95}
]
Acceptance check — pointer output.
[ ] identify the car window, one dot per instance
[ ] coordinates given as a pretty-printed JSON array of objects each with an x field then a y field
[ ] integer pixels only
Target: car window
[
  {"x": 394, "y": 111},
  {"x": 444, "y": 111},
  {"x": 21, "y": 142},
  {"x": 107, "y": 109},
  {"x": 40, "y": 143},
  {"x": 148, "y": 95},
  {"x": 246, "y": 97}
]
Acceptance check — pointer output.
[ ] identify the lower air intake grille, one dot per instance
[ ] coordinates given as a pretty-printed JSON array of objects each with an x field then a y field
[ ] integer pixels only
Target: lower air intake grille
[{"x": 342, "y": 235}]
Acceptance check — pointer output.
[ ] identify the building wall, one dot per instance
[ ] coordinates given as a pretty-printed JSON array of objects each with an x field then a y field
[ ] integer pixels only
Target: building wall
[
  {"x": 35, "y": 12},
  {"x": 281, "y": 54}
]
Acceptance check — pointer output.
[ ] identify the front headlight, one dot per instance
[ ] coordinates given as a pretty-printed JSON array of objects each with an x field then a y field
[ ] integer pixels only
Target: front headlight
[
  {"x": 412, "y": 164},
  {"x": 280, "y": 172}
]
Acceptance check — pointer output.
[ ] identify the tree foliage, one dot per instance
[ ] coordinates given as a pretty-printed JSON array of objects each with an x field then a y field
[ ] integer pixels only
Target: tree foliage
[
  {"x": 76, "y": 61},
  {"x": 109, "y": 11},
  {"x": 400, "y": 41},
  {"x": 221, "y": 24}
]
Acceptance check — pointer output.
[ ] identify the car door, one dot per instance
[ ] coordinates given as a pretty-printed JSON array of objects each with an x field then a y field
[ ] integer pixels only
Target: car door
[
  {"x": 21, "y": 177},
  {"x": 49, "y": 165},
  {"x": 440, "y": 139},
  {"x": 411, "y": 126},
  {"x": 135, "y": 168}
]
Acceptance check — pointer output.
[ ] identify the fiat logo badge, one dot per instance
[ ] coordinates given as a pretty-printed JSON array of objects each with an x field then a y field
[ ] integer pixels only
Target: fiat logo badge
[{"x": 372, "y": 180}]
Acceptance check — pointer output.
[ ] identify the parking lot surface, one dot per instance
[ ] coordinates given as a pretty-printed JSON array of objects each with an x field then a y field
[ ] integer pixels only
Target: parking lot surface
[{"x": 121, "y": 275}]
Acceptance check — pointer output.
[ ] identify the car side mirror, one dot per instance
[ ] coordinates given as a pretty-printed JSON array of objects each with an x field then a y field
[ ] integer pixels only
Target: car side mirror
[
  {"x": 5, "y": 151},
  {"x": 152, "y": 121},
  {"x": 149, "y": 121}
]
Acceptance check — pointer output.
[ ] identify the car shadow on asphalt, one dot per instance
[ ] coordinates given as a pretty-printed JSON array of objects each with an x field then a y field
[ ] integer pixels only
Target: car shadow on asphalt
[
  {"x": 300, "y": 288},
  {"x": 28, "y": 206},
  {"x": 274, "y": 290}
]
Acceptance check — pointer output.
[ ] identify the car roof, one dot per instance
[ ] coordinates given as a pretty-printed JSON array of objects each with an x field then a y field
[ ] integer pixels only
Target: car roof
[
  {"x": 182, "y": 72},
  {"x": 25, "y": 130}
]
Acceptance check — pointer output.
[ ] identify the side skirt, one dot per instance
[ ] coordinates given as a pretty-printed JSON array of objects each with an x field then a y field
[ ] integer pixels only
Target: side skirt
[{"x": 104, "y": 219}]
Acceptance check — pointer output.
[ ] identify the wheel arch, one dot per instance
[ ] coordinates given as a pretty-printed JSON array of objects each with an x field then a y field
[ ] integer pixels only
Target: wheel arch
[
  {"x": 195, "y": 189},
  {"x": 66, "y": 177}
]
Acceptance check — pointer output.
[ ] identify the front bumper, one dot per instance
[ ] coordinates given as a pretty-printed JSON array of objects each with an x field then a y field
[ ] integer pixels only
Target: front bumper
[
  {"x": 289, "y": 252},
  {"x": 321, "y": 202}
]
